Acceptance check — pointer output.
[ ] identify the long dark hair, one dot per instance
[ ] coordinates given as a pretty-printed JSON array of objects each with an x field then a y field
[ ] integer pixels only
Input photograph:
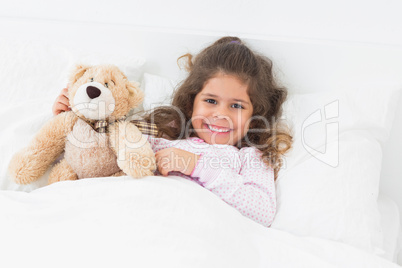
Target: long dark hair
[{"x": 229, "y": 55}]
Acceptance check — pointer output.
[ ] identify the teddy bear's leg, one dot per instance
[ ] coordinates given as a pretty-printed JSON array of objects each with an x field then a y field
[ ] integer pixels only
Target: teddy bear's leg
[
  {"x": 62, "y": 172},
  {"x": 32, "y": 162}
]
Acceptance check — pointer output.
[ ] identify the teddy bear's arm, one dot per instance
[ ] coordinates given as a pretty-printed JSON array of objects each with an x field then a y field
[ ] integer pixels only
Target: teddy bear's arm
[
  {"x": 134, "y": 153},
  {"x": 32, "y": 162}
]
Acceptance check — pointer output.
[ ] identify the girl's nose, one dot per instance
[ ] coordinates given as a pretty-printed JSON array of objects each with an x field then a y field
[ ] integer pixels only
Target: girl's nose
[
  {"x": 217, "y": 113},
  {"x": 220, "y": 113}
]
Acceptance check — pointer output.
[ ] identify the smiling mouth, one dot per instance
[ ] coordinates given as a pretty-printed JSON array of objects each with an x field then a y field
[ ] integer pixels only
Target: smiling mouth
[{"x": 218, "y": 129}]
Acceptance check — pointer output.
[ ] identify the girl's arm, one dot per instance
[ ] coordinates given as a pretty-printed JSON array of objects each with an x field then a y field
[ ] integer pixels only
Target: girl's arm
[{"x": 251, "y": 191}]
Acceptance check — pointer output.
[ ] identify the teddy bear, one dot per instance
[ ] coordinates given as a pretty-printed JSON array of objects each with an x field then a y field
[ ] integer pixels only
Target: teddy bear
[{"x": 96, "y": 139}]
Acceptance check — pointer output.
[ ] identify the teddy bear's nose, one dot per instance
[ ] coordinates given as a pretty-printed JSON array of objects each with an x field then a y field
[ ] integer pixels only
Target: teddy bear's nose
[{"x": 93, "y": 92}]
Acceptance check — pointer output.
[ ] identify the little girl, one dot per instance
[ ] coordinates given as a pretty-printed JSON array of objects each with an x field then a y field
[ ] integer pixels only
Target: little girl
[{"x": 223, "y": 129}]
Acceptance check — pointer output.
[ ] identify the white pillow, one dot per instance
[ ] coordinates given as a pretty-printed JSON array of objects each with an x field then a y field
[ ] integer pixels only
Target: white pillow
[
  {"x": 32, "y": 70},
  {"x": 158, "y": 91},
  {"x": 329, "y": 184}
]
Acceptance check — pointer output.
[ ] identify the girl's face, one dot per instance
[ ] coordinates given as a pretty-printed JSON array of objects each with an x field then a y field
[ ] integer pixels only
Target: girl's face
[{"x": 222, "y": 110}]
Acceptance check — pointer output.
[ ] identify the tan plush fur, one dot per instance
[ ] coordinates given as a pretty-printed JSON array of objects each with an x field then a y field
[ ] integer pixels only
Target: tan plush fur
[
  {"x": 132, "y": 155},
  {"x": 86, "y": 149},
  {"x": 32, "y": 162},
  {"x": 88, "y": 153}
]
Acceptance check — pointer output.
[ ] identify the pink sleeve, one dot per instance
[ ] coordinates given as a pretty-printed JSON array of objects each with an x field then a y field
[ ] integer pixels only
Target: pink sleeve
[
  {"x": 158, "y": 144},
  {"x": 251, "y": 191}
]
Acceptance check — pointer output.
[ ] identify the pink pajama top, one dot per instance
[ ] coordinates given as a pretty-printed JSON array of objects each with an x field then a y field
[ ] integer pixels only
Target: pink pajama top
[{"x": 238, "y": 177}]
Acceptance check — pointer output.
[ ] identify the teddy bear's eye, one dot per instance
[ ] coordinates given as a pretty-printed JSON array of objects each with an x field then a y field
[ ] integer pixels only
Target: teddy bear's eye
[
  {"x": 106, "y": 85},
  {"x": 91, "y": 79}
]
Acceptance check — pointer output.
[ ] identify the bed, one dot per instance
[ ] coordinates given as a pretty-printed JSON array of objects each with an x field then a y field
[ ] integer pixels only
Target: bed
[{"x": 331, "y": 213}]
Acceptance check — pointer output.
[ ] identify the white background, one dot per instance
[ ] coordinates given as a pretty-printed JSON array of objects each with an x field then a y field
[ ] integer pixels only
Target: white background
[{"x": 377, "y": 21}]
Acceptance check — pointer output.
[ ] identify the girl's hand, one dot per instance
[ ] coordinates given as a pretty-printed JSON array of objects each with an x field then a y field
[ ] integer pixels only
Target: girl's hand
[
  {"x": 173, "y": 159},
  {"x": 62, "y": 103}
]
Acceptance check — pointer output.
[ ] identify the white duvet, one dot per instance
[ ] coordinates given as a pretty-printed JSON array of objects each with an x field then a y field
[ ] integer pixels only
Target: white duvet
[{"x": 150, "y": 222}]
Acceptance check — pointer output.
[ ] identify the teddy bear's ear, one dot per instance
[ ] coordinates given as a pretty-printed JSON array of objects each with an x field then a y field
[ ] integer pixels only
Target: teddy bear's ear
[
  {"x": 136, "y": 95},
  {"x": 77, "y": 72}
]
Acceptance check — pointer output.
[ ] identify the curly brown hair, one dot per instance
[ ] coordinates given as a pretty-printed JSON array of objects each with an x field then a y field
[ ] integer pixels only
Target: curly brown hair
[{"x": 229, "y": 55}]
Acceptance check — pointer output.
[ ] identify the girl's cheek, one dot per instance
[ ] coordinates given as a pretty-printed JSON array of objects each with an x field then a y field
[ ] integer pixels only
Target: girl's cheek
[{"x": 245, "y": 124}]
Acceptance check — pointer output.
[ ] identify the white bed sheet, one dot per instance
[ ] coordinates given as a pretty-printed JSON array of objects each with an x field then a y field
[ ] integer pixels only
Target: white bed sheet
[
  {"x": 391, "y": 226},
  {"x": 151, "y": 222}
]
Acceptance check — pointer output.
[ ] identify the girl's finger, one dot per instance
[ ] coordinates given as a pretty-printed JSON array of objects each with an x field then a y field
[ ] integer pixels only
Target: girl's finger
[
  {"x": 158, "y": 157},
  {"x": 163, "y": 164},
  {"x": 64, "y": 92},
  {"x": 162, "y": 154},
  {"x": 63, "y": 107},
  {"x": 64, "y": 100},
  {"x": 163, "y": 170},
  {"x": 59, "y": 107}
]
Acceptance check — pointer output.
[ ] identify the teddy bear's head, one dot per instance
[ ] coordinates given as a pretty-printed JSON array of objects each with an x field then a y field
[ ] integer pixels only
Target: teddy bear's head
[{"x": 102, "y": 91}]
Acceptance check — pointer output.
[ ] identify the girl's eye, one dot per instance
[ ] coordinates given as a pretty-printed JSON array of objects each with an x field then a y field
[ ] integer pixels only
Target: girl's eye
[
  {"x": 106, "y": 85},
  {"x": 237, "y": 106},
  {"x": 91, "y": 79},
  {"x": 211, "y": 101}
]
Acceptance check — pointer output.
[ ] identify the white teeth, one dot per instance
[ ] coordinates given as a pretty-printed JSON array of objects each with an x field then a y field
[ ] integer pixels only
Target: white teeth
[{"x": 217, "y": 130}]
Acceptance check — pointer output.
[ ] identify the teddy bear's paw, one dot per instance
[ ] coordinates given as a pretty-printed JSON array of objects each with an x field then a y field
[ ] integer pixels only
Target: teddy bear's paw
[
  {"x": 138, "y": 165},
  {"x": 24, "y": 168},
  {"x": 139, "y": 173},
  {"x": 118, "y": 174},
  {"x": 147, "y": 172}
]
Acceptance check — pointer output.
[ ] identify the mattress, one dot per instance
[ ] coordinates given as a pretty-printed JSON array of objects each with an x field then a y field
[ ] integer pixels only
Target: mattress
[{"x": 391, "y": 226}]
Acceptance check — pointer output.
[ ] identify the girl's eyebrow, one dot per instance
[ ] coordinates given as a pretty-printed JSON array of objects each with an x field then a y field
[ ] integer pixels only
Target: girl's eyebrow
[{"x": 215, "y": 96}]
